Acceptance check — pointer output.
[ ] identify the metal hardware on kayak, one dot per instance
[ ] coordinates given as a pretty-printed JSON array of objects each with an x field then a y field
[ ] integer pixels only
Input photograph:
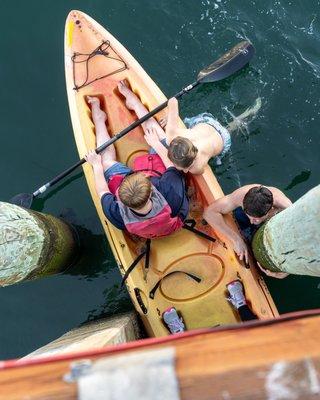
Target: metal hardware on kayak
[
  {"x": 140, "y": 301},
  {"x": 154, "y": 289},
  {"x": 225, "y": 66}
]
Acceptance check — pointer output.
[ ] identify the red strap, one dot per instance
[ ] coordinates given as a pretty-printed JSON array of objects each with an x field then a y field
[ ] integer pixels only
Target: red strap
[{"x": 114, "y": 183}]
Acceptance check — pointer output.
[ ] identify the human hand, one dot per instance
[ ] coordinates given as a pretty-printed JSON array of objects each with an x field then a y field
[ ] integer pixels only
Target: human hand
[
  {"x": 278, "y": 275},
  {"x": 93, "y": 158},
  {"x": 241, "y": 249},
  {"x": 152, "y": 137}
]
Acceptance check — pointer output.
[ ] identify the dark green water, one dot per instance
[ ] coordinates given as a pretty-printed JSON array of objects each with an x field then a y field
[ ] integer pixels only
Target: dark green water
[{"x": 172, "y": 40}]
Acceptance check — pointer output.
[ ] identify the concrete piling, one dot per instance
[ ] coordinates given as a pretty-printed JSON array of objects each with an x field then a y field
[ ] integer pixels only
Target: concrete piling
[
  {"x": 33, "y": 244},
  {"x": 289, "y": 241}
]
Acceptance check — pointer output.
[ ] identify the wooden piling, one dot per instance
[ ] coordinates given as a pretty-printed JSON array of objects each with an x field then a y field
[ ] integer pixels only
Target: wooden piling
[
  {"x": 289, "y": 241},
  {"x": 33, "y": 244}
]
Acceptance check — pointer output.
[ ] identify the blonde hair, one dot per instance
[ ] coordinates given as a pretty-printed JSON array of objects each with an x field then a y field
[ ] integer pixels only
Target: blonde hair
[
  {"x": 135, "y": 190},
  {"x": 182, "y": 152}
]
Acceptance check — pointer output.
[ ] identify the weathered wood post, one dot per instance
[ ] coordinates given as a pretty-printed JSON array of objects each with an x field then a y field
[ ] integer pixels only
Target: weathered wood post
[
  {"x": 33, "y": 244},
  {"x": 290, "y": 241}
]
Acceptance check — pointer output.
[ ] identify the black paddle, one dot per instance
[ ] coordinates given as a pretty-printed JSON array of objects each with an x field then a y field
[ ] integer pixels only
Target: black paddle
[{"x": 228, "y": 64}]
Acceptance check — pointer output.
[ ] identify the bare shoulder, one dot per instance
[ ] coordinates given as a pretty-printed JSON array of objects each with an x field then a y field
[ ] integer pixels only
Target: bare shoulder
[
  {"x": 239, "y": 194},
  {"x": 280, "y": 200},
  {"x": 175, "y": 131},
  {"x": 274, "y": 190},
  {"x": 236, "y": 197},
  {"x": 231, "y": 201}
]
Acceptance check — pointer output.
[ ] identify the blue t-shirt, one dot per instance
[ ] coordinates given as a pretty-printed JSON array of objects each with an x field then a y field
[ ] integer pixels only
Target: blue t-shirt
[{"x": 172, "y": 187}]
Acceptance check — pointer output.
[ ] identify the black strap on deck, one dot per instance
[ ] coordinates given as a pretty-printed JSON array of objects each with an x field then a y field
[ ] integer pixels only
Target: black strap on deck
[
  {"x": 189, "y": 224},
  {"x": 154, "y": 289},
  {"x": 146, "y": 253}
]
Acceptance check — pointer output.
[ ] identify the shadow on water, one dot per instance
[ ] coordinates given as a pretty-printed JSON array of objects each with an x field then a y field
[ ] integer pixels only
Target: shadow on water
[
  {"x": 93, "y": 262},
  {"x": 96, "y": 260},
  {"x": 39, "y": 202},
  {"x": 116, "y": 301},
  {"x": 302, "y": 177},
  {"x": 302, "y": 291}
]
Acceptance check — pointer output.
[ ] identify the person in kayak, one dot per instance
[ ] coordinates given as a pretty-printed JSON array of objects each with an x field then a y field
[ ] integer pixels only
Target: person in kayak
[
  {"x": 251, "y": 206},
  {"x": 188, "y": 149},
  {"x": 192, "y": 147},
  {"x": 151, "y": 203}
]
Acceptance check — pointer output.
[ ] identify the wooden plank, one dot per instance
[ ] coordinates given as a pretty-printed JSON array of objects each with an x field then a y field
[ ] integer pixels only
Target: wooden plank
[{"x": 208, "y": 365}]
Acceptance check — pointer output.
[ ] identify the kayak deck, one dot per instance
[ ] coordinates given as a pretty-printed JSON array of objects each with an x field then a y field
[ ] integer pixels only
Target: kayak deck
[{"x": 202, "y": 304}]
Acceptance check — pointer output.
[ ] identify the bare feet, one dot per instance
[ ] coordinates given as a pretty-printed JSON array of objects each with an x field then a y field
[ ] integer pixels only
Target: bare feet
[
  {"x": 163, "y": 122},
  {"x": 98, "y": 115},
  {"x": 131, "y": 98},
  {"x": 134, "y": 103}
]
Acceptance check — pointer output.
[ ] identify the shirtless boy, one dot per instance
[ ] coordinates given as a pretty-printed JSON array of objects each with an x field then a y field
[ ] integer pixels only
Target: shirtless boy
[
  {"x": 188, "y": 149},
  {"x": 252, "y": 205}
]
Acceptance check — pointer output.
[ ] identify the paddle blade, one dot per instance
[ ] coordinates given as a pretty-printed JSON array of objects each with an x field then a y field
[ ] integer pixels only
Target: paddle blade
[
  {"x": 228, "y": 64},
  {"x": 22, "y": 200}
]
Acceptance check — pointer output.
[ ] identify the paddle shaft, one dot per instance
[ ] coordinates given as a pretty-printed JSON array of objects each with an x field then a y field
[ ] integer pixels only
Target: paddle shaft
[{"x": 68, "y": 171}]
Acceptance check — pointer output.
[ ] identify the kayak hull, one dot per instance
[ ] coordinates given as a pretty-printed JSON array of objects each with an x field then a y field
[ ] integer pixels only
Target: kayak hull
[{"x": 202, "y": 304}]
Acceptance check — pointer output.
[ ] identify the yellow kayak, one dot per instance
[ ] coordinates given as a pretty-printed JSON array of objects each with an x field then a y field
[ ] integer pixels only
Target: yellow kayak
[{"x": 95, "y": 62}]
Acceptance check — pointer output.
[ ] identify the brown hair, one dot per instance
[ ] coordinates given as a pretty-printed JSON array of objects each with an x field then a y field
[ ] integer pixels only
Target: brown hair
[
  {"x": 258, "y": 201},
  {"x": 135, "y": 190},
  {"x": 182, "y": 152}
]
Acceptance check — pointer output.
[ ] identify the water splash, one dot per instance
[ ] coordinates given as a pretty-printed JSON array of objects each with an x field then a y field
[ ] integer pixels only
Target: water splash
[
  {"x": 241, "y": 122},
  {"x": 313, "y": 66}
]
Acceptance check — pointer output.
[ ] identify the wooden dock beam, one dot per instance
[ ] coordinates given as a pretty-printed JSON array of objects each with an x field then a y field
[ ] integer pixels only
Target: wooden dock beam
[{"x": 263, "y": 360}]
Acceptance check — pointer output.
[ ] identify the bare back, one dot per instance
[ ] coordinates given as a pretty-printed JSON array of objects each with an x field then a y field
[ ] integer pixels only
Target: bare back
[
  {"x": 203, "y": 136},
  {"x": 230, "y": 202}
]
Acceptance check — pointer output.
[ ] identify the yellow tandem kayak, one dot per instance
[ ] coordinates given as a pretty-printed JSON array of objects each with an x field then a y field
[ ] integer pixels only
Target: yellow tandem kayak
[{"x": 95, "y": 62}]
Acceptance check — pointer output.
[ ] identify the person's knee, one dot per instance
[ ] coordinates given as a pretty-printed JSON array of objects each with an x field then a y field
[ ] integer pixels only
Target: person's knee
[{"x": 107, "y": 163}]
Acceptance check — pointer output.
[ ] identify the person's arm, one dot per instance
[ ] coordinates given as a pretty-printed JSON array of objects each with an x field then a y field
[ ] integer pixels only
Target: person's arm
[
  {"x": 278, "y": 275},
  {"x": 173, "y": 119},
  {"x": 100, "y": 182},
  {"x": 213, "y": 214},
  {"x": 153, "y": 140},
  {"x": 280, "y": 200},
  {"x": 173, "y": 188}
]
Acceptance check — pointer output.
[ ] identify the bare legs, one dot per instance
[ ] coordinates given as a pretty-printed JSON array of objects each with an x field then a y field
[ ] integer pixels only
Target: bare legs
[
  {"x": 133, "y": 103},
  {"x": 99, "y": 119}
]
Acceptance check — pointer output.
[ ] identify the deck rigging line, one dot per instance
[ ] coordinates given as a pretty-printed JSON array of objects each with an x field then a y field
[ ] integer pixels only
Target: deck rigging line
[{"x": 102, "y": 50}]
